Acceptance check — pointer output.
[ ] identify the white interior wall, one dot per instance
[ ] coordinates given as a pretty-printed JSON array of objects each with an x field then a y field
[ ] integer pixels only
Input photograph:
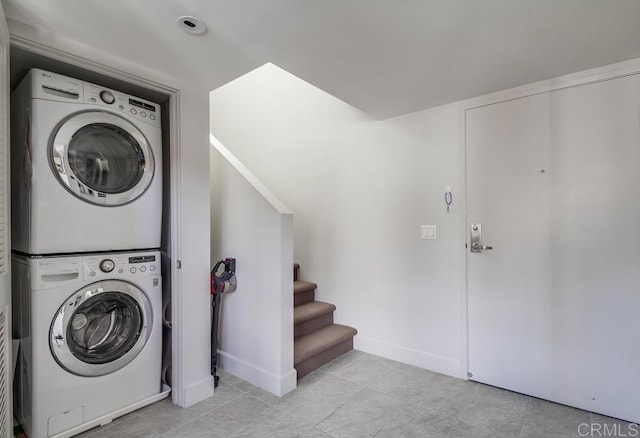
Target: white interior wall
[
  {"x": 256, "y": 321},
  {"x": 195, "y": 381},
  {"x": 359, "y": 190}
]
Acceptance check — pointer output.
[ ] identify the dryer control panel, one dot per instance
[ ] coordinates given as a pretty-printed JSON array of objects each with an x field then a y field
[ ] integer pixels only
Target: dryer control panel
[
  {"x": 52, "y": 86},
  {"x": 121, "y": 265},
  {"x": 122, "y": 103}
]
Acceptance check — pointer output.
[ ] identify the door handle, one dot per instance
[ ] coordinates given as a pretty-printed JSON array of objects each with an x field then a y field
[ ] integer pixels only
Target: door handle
[
  {"x": 476, "y": 239},
  {"x": 480, "y": 247}
]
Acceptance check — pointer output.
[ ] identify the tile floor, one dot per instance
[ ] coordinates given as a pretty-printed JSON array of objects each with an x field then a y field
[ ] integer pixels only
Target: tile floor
[{"x": 361, "y": 395}]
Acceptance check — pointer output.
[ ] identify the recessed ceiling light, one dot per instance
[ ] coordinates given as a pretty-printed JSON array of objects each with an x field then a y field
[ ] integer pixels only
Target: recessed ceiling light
[{"x": 192, "y": 25}]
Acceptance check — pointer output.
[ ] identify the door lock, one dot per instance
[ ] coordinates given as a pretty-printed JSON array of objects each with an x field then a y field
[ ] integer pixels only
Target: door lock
[{"x": 476, "y": 239}]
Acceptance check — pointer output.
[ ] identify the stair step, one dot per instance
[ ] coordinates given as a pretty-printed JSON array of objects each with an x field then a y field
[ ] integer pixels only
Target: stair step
[
  {"x": 312, "y": 316},
  {"x": 315, "y": 362},
  {"x": 308, "y": 311},
  {"x": 303, "y": 292},
  {"x": 296, "y": 268},
  {"x": 315, "y": 343}
]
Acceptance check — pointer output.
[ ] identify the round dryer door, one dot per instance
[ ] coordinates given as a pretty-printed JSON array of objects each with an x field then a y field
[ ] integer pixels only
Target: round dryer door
[
  {"x": 101, "y": 158},
  {"x": 101, "y": 328}
]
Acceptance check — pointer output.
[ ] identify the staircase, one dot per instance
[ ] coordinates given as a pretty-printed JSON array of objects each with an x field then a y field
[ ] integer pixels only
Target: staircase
[{"x": 317, "y": 340}]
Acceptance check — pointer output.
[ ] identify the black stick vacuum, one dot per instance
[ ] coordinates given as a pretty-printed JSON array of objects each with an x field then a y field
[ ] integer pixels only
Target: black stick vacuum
[{"x": 221, "y": 283}]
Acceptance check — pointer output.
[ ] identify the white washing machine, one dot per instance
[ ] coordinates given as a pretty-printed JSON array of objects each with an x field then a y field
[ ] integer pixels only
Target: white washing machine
[
  {"x": 90, "y": 331},
  {"x": 86, "y": 167}
]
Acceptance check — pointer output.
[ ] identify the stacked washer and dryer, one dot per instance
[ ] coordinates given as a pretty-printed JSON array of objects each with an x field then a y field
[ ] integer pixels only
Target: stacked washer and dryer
[{"x": 86, "y": 231}]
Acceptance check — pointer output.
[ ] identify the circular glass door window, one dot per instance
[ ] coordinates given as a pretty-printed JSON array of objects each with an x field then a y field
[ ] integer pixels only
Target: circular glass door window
[
  {"x": 101, "y": 158},
  {"x": 106, "y": 158},
  {"x": 101, "y": 328}
]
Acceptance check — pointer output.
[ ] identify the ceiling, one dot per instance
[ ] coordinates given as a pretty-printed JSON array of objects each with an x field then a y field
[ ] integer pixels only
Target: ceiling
[{"x": 386, "y": 57}]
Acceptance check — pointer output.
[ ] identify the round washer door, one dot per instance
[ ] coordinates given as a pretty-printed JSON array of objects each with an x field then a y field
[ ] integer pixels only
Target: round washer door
[
  {"x": 101, "y": 328},
  {"x": 101, "y": 158}
]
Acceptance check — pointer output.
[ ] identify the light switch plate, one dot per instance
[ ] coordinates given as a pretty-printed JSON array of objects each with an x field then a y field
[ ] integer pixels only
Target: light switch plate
[{"x": 428, "y": 231}]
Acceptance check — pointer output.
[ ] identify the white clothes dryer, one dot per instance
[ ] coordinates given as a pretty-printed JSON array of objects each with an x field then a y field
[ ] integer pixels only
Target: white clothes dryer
[
  {"x": 90, "y": 332},
  {"x": 86, "y": 167}
]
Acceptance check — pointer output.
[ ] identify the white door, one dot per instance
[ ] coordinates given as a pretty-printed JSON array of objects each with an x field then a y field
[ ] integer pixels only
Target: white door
[
  {"x": 6, "y": 415},
  {"x": 554, "y": 181}
]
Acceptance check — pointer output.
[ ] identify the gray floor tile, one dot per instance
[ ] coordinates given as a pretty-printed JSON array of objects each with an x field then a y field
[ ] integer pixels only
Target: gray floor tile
[
  {"x": 545, "y": 419},
  {"x": 206, "y": 426},
  {"x": 462, "y": 429},
  {"x": 363, "y": 415},
  {"x": 417, "y": 426},
  {"x": 361, "y": 395},
  {"x": 248, "y": 408},
  {"x": 443, "y": 395},
  {"x": 236, "y": 382},
  {"x": 320, "y": 400},
  {"x": 312, "y": 378},
  {"x": 304, "y": 385},
  {"x": 365, "y": 370},
  {"x": 495, "y": 409},
  {"x": 281, "y": 426},
  {"x": 315, "y": 433},
  {"x": 223, "y": 394},
  {"x": 228, "y": 419},
  {"x": 403, "y": 381}
]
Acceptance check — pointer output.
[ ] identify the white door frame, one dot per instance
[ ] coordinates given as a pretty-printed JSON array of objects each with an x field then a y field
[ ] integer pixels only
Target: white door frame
[
  {"x": 598, "y": 74},
  {"x": 6, "y": 373},
  {"x": 175, "y": 187}
]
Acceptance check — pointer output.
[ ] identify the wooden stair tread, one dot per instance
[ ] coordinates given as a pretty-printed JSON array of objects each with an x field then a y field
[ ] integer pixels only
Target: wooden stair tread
[
  {"x": 305, "y": 347},
  {"x": 308, "y": 311},
  {"x": 300, "y": 286}
]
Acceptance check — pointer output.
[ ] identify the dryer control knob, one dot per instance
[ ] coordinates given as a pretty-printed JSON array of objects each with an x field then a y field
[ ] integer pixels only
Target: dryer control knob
[
  {"x": 107, "y": 97},
  {"x": 107, "y": 265}
]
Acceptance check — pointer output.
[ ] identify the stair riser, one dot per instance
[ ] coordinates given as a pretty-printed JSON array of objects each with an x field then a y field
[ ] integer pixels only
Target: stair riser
[
  {"x": 312, "y": 325},
  {"x": 304, "y": 297},
  {"x": 305, "y": 367}
]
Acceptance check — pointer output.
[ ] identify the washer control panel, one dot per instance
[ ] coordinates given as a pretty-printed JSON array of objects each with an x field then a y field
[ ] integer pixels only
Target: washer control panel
[{"x": 122, "y": 264}]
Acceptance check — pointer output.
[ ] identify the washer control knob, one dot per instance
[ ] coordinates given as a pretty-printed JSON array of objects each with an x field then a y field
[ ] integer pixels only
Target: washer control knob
[
  {"x": 107, "y": 97},
  {"x": 107, "y": 265}
]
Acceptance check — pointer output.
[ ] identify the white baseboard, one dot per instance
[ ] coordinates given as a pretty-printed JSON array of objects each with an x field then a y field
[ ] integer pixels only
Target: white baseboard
[
  {"x": 421, "y": 359},
  {"x": 278, "y": 385},
  {"x": 196, "y": 392}
]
